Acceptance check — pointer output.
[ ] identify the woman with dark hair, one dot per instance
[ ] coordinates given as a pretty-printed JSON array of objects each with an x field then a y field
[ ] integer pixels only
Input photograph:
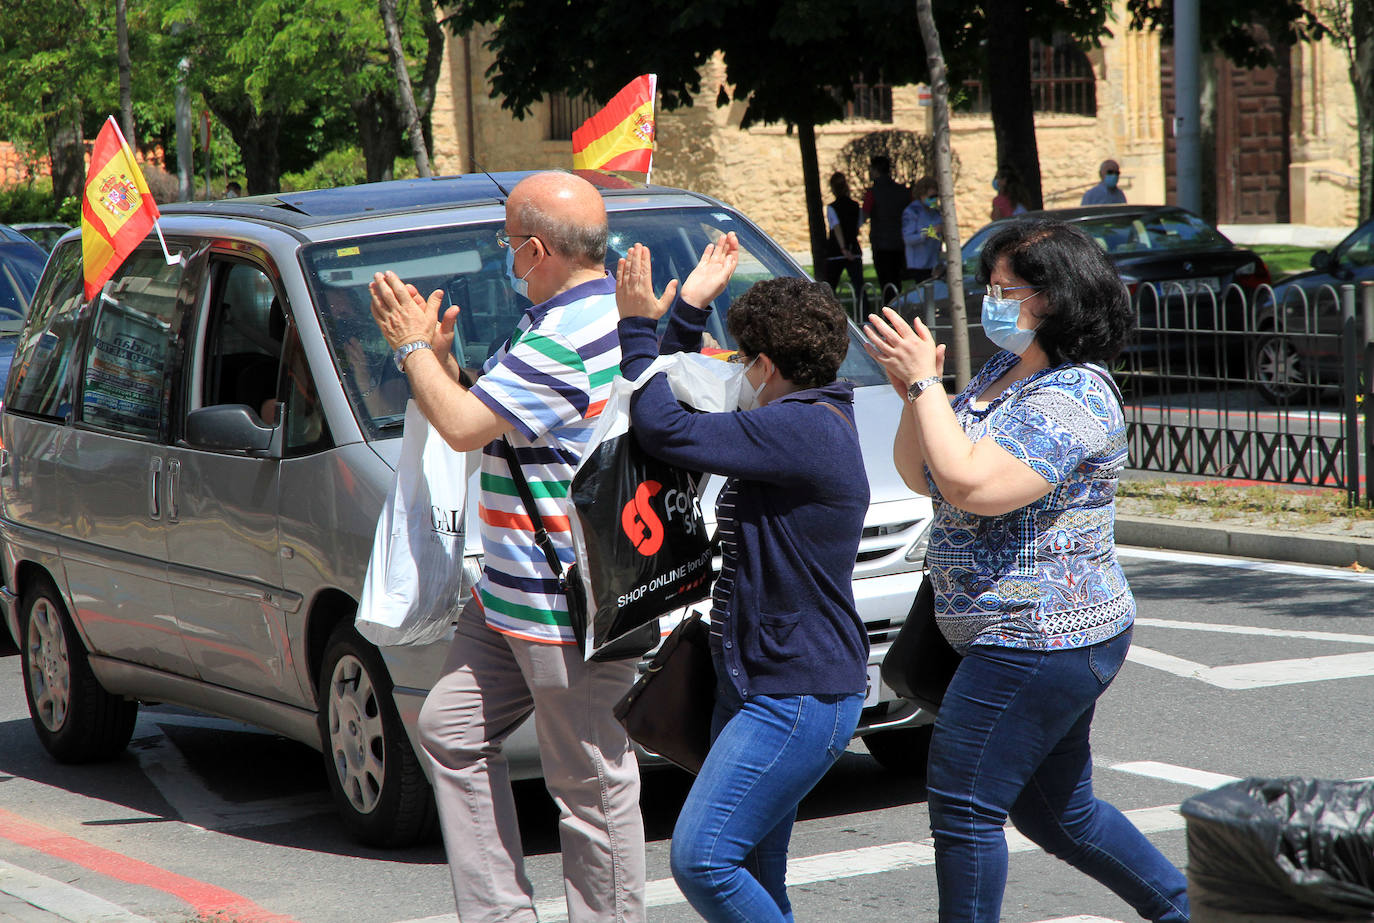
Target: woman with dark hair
[
  {"x": 1022, "y": 466},
  {"x": 789, "y": 648},
  {"x": 1011, "y": 195}
]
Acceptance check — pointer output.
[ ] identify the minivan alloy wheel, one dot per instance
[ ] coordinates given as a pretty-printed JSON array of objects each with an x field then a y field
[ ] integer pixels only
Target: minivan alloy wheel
[
  {"x": 49, "y": 667},
  {"x": 357, "y": 735}
]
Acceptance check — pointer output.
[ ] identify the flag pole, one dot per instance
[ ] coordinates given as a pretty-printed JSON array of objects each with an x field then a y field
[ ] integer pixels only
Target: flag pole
[
  {"x": 653, "y": 97},
  {"x": 157, "y": 223}
]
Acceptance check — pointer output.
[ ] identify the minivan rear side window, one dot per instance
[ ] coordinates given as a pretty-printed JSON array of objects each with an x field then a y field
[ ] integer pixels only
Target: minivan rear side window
[
  {"x": 130, "y": 352},
  {"x": 40, "y": 384}
]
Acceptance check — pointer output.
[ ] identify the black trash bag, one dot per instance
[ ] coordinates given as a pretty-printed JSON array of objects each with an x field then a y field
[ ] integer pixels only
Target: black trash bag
[
  {"x": 643, "y": 540},
  {"x": 1300, "y": 847}
]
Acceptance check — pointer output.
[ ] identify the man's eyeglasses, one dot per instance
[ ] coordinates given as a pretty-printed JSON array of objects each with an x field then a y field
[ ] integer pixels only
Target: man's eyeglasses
[
  {"x": 997, "y": 291},
  {"x": 1112, "y": 173},
  {"x": 503, "y": 240},
  {"x": 738, "y": 358}
]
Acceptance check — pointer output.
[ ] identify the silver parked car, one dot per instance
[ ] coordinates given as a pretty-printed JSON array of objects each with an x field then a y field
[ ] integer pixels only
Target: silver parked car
[{"x": 194, "y": 463}]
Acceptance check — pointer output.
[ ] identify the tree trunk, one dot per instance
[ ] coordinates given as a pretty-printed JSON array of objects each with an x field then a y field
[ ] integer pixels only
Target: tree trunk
[
  {"x": 1009, "y": 90},
  {"x": 126, "y": 95},
  {"x": 65, "y": 147},
  {"x": 811, "y": 184},
  {"x": 256, "y": 135},
  {"x": 944, "y": 176},
  {"x": 1362, "y": 78},
  {"x": 409, "y": 115},
  {"x": 379, "y": 133}
]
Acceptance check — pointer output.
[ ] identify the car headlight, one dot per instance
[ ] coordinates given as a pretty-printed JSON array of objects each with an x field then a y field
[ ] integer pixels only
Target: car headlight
[{"x": 917, "y": 552}]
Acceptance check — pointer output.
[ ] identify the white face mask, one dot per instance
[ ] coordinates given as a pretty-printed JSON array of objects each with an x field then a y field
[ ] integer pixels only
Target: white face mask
[{"x": 748, "y": 394}]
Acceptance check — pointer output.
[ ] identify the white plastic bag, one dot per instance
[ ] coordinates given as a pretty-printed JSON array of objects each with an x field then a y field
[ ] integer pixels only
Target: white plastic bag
[{"x": 414, "y": 583}]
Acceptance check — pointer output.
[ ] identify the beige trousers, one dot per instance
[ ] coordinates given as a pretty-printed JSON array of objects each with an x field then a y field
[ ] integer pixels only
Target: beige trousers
[{"x": 489, "y": 685}]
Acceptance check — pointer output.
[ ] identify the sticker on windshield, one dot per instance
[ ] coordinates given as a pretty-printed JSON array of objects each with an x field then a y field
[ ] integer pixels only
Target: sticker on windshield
[
  {"x": 721, "y": 216},
  {"x": 347, "y": 251}
]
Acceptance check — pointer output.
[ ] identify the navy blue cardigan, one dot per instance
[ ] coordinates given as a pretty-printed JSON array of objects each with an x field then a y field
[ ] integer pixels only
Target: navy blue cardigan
[{"x": 792, "y": 627}]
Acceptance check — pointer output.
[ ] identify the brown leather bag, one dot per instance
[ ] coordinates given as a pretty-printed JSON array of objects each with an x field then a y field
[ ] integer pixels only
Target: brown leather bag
[{"x": 668, "y": 710}]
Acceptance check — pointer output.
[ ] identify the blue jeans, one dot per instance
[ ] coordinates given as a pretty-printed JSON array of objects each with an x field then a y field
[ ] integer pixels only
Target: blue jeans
[
  {"x": 1012, "y": 740},
  {"x": 729, "y": 851}
]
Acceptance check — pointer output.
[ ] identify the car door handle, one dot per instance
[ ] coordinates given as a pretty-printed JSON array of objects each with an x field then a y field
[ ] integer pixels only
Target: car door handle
[
  {"x": 173, "y": 486},
  {"x": 154, "y": 484}
]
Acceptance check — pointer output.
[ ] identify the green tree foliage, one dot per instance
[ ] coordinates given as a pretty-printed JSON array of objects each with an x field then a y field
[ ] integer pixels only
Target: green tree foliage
[
  {"x": 290, "y": 79},
  {"x": 293, "y": 79},
  {"x": 51, "y": 71}
]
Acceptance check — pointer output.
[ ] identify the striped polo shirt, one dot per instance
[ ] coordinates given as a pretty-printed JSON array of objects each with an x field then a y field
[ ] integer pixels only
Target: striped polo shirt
[{"x": 550, "y": 380}]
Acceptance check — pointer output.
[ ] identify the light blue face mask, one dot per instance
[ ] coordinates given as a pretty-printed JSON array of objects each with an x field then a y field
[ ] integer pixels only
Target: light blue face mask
[
  {"x": 517, "y": 283},
  {"x": 1110, "y": 179},
  {"x": 999, "y": 324}
]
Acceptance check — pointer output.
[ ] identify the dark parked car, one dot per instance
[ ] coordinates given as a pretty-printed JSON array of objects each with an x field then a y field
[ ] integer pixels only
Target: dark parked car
[
  {"x": 43, "y": 233},
  {"x": 1300, "y": 320},
  {"x": 1165, "y": 255}
]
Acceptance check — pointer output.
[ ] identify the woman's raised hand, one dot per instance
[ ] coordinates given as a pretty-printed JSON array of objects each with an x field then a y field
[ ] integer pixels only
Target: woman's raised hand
[
  {"x": 634, "y": 286},
  {"x": 907, "y": 353},
  {"x": 713, "y": 271}
]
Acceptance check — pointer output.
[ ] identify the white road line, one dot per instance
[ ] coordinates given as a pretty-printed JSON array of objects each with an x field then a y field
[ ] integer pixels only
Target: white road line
[
  {"x": 1171, "y": 773},
  {"x": 1222, "y": 628},
  {"x": 61, "y": 899},
  {"x": 867, "y": 860},
  {"x": 1299, "y": 570},
  {"x": 196, "y": 805},
  {"x": 1260, "y": 675}
]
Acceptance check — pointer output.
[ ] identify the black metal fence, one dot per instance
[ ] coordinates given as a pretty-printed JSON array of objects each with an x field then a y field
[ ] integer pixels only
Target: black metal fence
[{"x": 1248, "y": 386}]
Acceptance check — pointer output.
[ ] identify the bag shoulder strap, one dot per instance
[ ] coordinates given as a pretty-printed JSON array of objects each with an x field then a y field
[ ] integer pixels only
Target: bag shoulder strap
[
  {"x": 1106, "y": 379},
  {"x": 837, "y": 412},
  {"x": 522, "y": 487}
]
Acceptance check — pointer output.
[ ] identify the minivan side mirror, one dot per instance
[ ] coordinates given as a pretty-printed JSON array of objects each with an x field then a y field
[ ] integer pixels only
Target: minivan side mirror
[
  {"x": 1321, "y": 261},
  {"x": 232, "y": 427}
]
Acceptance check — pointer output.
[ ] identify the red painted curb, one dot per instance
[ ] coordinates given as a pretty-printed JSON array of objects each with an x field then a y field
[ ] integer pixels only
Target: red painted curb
[{"x": 207, "y": 900}]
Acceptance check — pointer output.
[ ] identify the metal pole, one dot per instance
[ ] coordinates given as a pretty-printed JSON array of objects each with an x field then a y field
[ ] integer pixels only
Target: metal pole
[
  {"x": 1187, "y": 105},
  {"x": 1367, "y": 307},
  {"x": 185, "y": 187},
  {"x": 1350, "y": 353}
]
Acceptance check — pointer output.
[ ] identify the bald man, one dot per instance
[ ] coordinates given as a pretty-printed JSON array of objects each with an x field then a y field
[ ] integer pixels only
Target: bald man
[
  {"x": 1106, "y": 191},
  {"x": 514, "y": 648}
]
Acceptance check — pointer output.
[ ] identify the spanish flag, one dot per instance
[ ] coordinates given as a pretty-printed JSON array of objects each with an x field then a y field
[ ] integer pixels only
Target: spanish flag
[
  {"x": 118, "y": 209},
  {"x": 620, "y": 136}
]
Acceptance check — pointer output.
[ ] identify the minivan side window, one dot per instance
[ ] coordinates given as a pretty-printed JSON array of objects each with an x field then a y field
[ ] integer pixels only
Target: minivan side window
[
  {"x": 40, "y": 384},
  {"x": 130, "y": 352}
]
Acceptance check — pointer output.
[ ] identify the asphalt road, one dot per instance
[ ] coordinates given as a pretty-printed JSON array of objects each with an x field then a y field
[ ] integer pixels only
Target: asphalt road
[{"x": 1238, "y": 669}]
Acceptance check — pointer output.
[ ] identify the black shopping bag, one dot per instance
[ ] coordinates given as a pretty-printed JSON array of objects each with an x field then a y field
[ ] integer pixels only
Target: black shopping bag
[{"x": 641, "y": 540}]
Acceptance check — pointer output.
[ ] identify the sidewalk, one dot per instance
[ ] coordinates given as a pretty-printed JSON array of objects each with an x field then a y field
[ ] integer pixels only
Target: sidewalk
[{"x": 1245, "y": 541}]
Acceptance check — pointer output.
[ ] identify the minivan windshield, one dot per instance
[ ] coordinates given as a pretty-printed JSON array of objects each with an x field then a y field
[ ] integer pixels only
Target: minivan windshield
[{"x": 465, "y": 263}]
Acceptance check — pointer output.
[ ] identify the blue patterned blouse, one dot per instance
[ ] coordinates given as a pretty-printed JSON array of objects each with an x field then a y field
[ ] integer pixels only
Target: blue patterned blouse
[{"x": 1044, "y": 576}]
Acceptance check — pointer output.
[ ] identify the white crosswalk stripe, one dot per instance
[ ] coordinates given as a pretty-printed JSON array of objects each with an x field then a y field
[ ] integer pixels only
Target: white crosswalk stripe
[{"x": 61, "y": 899}]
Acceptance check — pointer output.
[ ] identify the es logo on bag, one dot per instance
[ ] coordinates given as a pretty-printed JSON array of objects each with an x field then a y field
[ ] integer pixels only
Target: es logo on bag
[{"x": 640, "y": 522}]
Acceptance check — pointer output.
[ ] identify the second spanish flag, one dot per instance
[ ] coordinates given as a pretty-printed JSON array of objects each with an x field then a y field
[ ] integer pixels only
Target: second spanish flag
[{"x": 620, "y": 136}]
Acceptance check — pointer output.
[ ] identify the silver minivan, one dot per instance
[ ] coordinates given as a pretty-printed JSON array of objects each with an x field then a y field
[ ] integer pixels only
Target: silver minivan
[{"x": 193, "y": 464}]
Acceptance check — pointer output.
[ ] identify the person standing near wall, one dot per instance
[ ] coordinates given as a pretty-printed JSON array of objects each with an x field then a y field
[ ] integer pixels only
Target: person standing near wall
[
  {"x": 1106, "y": 191},
  {"x": 883, "y": 206},
  {"x": 921, "y": 223}
]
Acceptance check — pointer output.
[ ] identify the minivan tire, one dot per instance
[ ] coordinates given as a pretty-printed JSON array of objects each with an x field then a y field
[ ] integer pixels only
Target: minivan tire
[
  {"x": 77, "y": 721},
  {"x": 903, "y": 751},
  {"x": 375, "y": 777}
]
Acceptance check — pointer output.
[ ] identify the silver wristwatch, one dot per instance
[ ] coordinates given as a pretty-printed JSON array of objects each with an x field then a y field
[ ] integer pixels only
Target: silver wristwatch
[
  {"x": 914, "y": 389},
  {"x": 402, "y": 351}
]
